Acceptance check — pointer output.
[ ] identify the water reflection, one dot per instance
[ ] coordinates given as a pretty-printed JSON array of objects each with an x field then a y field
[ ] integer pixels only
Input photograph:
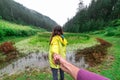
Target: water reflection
[
  {"x": 37, "y": 60},
  {"x": 81, "y": 63}
]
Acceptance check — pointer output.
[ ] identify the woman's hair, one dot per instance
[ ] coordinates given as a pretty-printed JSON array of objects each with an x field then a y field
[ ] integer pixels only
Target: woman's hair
[{"x": 56, "y": 31}]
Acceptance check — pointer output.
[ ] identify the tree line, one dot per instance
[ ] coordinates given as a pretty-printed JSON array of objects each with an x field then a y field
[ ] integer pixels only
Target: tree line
[
  {"x": 15, "y": 12},
  {"x": 96, "y": 16}
]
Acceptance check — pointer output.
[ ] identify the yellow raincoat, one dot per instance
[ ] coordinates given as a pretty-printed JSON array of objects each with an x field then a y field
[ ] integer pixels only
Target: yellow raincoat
[{"x": 58, "y": 45}]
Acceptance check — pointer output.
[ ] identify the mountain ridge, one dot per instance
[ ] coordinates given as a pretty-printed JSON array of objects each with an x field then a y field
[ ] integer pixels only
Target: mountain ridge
[{"x": 16, "y": 12}]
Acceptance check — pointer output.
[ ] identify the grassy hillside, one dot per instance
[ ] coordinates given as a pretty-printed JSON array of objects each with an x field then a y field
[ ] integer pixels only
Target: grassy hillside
[
  {"x": 96, "y": 16},
  {"x": 11, "y": 32},
  {"x": 15, "y": 12},
  {"x": 8, "y": 29}
]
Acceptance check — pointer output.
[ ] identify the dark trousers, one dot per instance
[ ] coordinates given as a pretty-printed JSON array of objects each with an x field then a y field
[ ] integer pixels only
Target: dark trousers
[{"x": 55, "y": 74}]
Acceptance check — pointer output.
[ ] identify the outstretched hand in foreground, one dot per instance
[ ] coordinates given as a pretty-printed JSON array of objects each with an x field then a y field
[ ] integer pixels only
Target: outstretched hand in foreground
[
  {"x": 67, "y": 67},
  {"x": 75, "y": 72}
]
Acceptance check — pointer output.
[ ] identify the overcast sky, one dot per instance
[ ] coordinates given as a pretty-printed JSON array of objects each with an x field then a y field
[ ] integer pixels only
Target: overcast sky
[{"x": 58, "y": 10}]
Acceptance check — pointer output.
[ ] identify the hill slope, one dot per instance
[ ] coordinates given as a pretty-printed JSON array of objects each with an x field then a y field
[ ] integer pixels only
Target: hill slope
[
  {"x": 8, "y": 29},
  {"x": 13, "y": 11},
  {"x": 96, "y": 16}
]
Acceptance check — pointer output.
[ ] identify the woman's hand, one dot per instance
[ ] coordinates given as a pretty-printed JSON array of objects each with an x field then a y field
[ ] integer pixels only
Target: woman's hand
[
  {"x": 66, "y": 66},
  {"x": 56, "y": 58}
]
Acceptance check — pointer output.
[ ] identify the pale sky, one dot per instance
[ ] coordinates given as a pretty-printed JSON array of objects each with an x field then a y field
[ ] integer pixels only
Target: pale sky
[{"x": 58, "y": 10}]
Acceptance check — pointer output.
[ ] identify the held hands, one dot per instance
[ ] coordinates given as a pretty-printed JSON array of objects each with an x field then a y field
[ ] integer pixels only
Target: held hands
[
  {"x": 56, "y": 58},
  {"x": 73, "y": 70},
  {"x": 64, "y": 65}
]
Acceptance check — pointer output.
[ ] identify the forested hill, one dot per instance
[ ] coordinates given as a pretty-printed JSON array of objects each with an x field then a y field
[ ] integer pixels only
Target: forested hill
[
  {"x": 15, "y": 12},
  {"x": 98, "y": 15}
]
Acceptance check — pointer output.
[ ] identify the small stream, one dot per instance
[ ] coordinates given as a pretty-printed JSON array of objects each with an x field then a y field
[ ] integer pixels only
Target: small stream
[{"x": 37, "y": 60}]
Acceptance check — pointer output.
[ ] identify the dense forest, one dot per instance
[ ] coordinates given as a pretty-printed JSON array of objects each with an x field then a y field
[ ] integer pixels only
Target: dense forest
[
  {"x": 15, "y": 12},
  {"x": 98, "y": 15}
]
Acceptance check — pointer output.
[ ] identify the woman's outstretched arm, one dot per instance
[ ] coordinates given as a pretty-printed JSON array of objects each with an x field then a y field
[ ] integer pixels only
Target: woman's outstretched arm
[{"x": 75, "y": 72}]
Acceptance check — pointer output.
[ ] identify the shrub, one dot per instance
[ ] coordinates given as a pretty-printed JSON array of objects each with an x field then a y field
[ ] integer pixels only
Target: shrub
[
  {"x": 1, "y": 34},
  {"x": 117, "y": 34},
  {"x": 11, "y": 29},
  {"x": 7, "y": 47},
  {"x": 9, "y": 32},
  {"x": 9, "y": 50},
  {"x": 0, "y": 17},
  {"x": 110, "y": 31},
  {"x": 115, "y": 22}
]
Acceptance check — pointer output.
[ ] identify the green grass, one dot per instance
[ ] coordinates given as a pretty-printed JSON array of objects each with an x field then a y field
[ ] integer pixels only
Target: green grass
[
  {"x": 15, "y": 33},
  {"x": 40, "y": 42},
  {"x": 13, "y": 39},
  {"x": 33, "y": 44},
  {"x": 34, "y": 74},
  {"x": 74, "y": 38},
  {"x": 113, "y": 71},
  {"x": 11, "y": 29},
  {"x": 111, "y": 67}
]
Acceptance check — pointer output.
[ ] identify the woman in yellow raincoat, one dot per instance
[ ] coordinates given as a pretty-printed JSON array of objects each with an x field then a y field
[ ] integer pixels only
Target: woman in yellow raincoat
[{"x": 57, "y": 46}]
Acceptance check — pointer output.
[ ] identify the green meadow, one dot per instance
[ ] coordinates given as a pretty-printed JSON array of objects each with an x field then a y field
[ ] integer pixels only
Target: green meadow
[
  {"x": 29, "y": 40},
  {"x": 8, "y": 29}
]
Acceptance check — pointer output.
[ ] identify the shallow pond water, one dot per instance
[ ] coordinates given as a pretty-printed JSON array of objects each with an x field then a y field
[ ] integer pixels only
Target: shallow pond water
[{"x": 38, "y": 60}]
